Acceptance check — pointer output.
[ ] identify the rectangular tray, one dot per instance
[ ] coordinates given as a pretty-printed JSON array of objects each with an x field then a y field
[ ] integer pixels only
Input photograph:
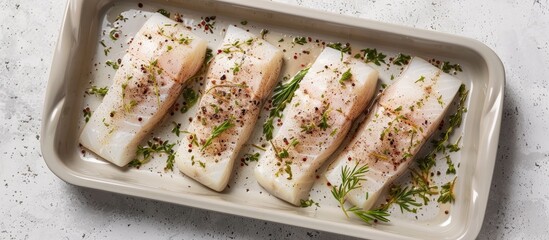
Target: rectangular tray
[{"x": 483, "y": 74}]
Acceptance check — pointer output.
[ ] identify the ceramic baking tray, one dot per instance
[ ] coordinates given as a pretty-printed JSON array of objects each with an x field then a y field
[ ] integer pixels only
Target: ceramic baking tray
[{"x": 79, "y": 63}]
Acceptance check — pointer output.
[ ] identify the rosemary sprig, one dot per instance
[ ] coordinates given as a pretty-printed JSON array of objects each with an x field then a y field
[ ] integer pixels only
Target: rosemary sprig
[
  {"x": 218, "y": 130},
  {"x": 94, "y": 90},
  {"x": 369, "y": 216},
  {"x": 283, "y": 94},
  {"x": 403, "y": 197},
  {"x": 350, "y": 180}
]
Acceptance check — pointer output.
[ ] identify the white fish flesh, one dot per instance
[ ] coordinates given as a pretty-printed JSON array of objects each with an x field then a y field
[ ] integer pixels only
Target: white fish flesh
[
  {"x": 144, "y": 88},
  {"x": 238, "y": 80},
  {"x": 333, "y": 93},
  {"x": 407, "y": 113}
]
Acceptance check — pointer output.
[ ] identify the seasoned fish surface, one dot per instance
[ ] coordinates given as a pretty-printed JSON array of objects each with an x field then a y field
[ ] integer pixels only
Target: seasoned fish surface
[
  {"x": 407, "y": 113},
  {"x": 144, "y": 88},
  {"x": 335, "y": 90},
  {"x": 240, "y": 76}
]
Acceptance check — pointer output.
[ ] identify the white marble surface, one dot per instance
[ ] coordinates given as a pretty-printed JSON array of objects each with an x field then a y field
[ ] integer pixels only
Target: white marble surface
[{"x": 35, "y": 204}]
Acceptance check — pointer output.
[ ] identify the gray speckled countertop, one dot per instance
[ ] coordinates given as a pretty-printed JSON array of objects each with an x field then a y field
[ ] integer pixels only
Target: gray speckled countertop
[{"x": 35, "y": 204}]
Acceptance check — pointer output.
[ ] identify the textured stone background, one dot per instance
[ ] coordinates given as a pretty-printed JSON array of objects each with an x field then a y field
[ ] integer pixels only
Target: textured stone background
[{"x": 35, "y": 204}]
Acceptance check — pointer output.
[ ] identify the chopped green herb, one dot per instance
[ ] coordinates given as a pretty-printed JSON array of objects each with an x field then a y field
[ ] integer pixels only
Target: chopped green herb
[
  {"x": 401, "y": 59},
  {"x": 251, "y": 158},
  {"x": 87, "y": 114},
  {"x": 343, "y": 48},
  {"x": 300, "y": 40},
  {"x": 308, "y": 203},
  {"x": 347, "y": 75},
  {"x": 451, "y": 169},
  {"x": 236, "y": 68},
  {"x": 176, "y": 128},
  {"x": 447, "y": 192},
  {"x": 94, "y": 90},
  {"x": 263, "y": 33},
  {"x": 447, "y": 67},
  {"x": 164, "y": 12},
  {"x": 107, "y": 51},
  {"x": 372, "y": 55},
  {"x": 189, "y": 99},
  {"x": 114, "y": 34},
  {"x": 112, "y": 64},
  {"x": 420, "y": 79},
  {"x": 121, "y": 18},
  {"x": 209, "y": 56},
  {"x": 324, "y": 119},
  {"x": 308, "y": 128}
]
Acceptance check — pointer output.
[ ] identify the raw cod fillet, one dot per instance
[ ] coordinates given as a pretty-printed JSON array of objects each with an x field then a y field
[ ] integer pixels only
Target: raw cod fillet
[
  {"x": 307, "y": 138},
  {"x": 407, "y": 113},
  {"x": 238, "y": 80},
  {"x": 144, "y": 88}
]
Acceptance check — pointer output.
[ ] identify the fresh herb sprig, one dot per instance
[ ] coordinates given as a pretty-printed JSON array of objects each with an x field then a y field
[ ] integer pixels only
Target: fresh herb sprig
[
  {"x": 421, "y": 177},
  {"x": 218, "y": 130},
  {"x": 350, "y": 180},
  {"x": 403, "y": 197},
  {"x": 447, "y": 192},
  {"x": 282, "y": 95},
  {"x": 157, "y": 146}
]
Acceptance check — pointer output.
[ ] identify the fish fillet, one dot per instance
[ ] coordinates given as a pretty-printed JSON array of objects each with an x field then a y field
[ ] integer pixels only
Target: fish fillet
[
  {"x": 144, "y": 88},
  {"x": 239, "y": 78},
  {"x": 407, "y": 113},
  {"x": 315, "y": 123}
]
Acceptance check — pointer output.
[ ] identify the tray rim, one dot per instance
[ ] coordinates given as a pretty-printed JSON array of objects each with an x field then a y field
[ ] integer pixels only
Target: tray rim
[{"x": 491, "y": 121}]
